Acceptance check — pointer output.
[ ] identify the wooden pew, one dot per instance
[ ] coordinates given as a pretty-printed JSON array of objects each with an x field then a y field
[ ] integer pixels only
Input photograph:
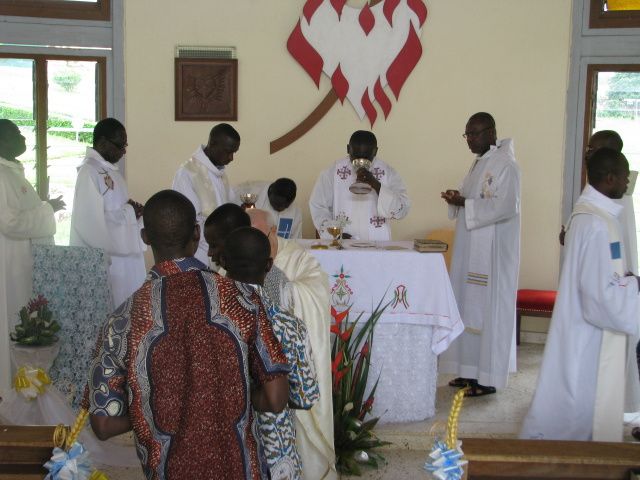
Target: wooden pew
[
  {"x": 24, "y": 450},
  {"x": 542, "y": 459}
]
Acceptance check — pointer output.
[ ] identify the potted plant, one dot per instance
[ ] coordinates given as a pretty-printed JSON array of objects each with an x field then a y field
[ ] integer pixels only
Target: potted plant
[
  {"x": 37, "y": 327},
  {"x": 36, "y": 343},
  {"x": 351, "y": 356}
]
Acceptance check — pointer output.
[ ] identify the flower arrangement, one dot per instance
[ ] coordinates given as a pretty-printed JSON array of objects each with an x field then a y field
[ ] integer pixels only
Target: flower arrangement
[
  {"x": 36, "y": 327},
  {"x": 342, "y": 220},
  {"x": 351, "y": 356}
]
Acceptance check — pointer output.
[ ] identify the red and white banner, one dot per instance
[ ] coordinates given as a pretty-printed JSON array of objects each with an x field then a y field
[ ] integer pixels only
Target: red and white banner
[{"x": 360, "y": 50}]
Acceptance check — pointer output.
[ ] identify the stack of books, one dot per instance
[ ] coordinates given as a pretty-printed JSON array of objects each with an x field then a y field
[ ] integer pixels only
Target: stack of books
[{"x": 424, "y": 245}]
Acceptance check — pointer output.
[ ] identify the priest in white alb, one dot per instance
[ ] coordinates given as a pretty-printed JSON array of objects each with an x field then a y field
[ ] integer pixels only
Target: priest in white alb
[
  {"x": 363, "y": 216},
  {"x": 203, "y": 179},
  {"x": 307, "y": 289},
  {"x": 104, "y": 216},
  {"x": 589, "y": 373},
  {"x": 24, "y": 219},
  {"x": 486, "y": 256}
]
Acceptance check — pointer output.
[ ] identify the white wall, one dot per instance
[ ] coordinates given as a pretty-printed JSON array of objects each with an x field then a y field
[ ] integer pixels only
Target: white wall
[{"x": 507, "y": 57}]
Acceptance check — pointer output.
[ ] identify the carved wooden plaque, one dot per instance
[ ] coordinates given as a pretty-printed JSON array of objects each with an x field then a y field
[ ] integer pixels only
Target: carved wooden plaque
[{"x": 206, "y": 89}]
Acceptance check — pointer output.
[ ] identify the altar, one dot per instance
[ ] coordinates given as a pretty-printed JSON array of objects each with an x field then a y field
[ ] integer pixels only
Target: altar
[{"x": 420, "y": 322}]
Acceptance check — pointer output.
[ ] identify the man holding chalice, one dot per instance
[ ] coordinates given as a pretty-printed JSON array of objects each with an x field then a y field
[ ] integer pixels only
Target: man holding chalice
[{"x": 359, "y": 191}]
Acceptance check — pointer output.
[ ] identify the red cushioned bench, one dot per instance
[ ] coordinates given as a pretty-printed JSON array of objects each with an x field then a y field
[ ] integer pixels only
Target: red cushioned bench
[{"x": 533, "y": 303}]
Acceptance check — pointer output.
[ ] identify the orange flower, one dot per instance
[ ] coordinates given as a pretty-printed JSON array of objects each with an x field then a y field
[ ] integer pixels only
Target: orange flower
[
  {"x": 338, "y": 376},
  {"x": 338, "y": 317},
  {"x": 347, "y": 333}
]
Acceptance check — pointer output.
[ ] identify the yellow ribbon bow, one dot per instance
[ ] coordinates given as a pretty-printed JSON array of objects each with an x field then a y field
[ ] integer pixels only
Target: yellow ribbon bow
[{"x": 31, "y": 382}]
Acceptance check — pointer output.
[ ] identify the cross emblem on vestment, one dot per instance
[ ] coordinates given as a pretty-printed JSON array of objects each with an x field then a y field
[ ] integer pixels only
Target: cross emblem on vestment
[
  {"x": 377, "y": 221},
  {"x": 378, "y": 173},
  {"x": 344, "y": 172}
]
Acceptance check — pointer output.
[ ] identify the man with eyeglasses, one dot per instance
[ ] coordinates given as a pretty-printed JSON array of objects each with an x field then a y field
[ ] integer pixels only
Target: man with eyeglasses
[
  {"x": 486, "y": 256},
  {"x": 104, "y": 216}
]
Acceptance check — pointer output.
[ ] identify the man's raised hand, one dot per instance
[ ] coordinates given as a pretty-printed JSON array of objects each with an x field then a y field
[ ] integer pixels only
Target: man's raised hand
[{"x": 57, "y": 203}]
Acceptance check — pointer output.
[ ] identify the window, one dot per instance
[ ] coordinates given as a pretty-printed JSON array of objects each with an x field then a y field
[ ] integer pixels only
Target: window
[
  {"x": 75, "y": 9},
  {"x": 55, "y": 101},
  {"x": 614, "y": 14},
  {"x": 613, "y": 103}
]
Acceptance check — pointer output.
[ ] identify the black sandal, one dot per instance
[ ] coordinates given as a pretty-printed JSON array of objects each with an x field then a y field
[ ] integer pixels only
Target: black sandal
[
  {"x": 460, "y": 382},
  {"x": 476, "y": 390},
  {"x": 635, "y": 433}
]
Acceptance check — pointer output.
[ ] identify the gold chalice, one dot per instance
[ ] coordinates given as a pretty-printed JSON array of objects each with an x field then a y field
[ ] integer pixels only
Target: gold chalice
[{"x": 336, "y": 232}]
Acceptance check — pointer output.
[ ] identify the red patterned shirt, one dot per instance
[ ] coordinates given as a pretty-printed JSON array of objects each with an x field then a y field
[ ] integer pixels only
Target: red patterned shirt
[{"x": 179, "y": 357}]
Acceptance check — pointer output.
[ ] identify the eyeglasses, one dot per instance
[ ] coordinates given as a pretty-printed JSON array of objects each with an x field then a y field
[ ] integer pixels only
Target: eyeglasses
[
  {"x": 475, "y": 134},
  {"x": 117, "y": 145}
]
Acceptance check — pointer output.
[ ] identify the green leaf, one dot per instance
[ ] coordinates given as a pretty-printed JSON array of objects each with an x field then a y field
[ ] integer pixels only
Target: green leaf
[{"x": 370, "y": 424}]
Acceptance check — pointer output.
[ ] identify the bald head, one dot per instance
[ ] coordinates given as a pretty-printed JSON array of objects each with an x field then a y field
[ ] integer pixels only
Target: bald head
[
  {"x": 170, "y": 224},
  {"x": 260, "y": 219},
  {"x": 263, "y": 221},
  {"x": 222, "y": 221},
  {"x": 246, "y": 256}
]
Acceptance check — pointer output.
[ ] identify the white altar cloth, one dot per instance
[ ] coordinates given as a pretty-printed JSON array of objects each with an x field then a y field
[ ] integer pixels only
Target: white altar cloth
[{"x": 419, "y": 324}]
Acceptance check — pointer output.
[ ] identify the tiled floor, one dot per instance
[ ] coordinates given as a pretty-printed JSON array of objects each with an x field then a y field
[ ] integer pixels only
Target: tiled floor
[
  {"x": 490, "y": 416},
  {"x": 496, "y": 415}
]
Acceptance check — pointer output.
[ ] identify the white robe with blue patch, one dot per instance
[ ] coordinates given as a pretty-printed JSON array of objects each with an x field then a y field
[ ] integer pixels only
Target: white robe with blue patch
[{"x": 591, "y": 298}]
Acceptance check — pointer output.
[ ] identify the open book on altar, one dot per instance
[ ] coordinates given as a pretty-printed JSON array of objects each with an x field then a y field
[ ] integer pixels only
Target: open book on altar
[{"x": 425, "y": 245}]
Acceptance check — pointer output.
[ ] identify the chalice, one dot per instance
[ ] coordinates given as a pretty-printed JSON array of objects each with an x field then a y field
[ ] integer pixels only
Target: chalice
[
  {"x": 357, "y": 187},
  {"x": 335, "y": 230},
  {"x": 248, "y": 200}
]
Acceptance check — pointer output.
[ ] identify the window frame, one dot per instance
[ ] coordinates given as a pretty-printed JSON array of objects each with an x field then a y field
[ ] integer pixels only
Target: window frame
[
  {"x": 97, "y": 11},
  {"x": 591, "y": 93},
  {"x": 599, "y": 18},
  {"x": 40, "y": 96}
]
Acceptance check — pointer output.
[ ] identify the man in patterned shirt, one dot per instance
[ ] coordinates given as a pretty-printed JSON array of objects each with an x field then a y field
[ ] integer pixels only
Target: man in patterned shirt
[{"x": 182, "y": 361}]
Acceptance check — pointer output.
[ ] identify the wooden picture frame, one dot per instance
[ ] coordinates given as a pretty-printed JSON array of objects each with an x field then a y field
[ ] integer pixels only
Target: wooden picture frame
[{"x": 206, "y": 89}]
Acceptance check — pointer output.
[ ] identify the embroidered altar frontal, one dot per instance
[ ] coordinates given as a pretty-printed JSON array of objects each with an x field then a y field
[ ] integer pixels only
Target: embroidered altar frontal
[{"x": 420, "y": 322}]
